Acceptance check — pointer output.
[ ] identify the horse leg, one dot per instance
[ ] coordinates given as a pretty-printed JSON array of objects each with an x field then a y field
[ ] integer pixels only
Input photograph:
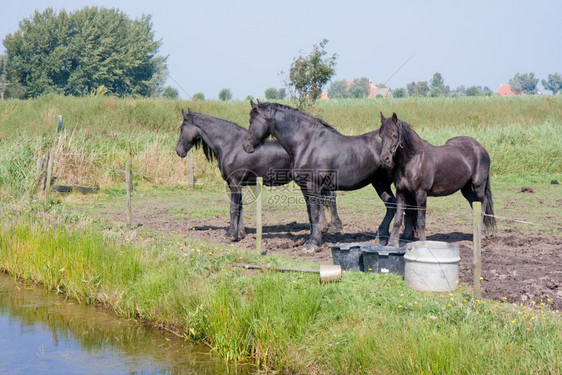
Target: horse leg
[
  {"x": 241, "y": 230},
  {"x": 398, "y": 217},
  {"x": 314, "y": 203},
  {"x": 483, "y": 193},
  {"x": 322, "y": 222},
  {"x": 421, "y": 203},
  {"x": 385, "y": 193},
  {"x": 468, "y": 193},
  {"x": 410, "y": 222},
  {"x": 335, "y": 222},
  {"x": 233, "y": 232}
]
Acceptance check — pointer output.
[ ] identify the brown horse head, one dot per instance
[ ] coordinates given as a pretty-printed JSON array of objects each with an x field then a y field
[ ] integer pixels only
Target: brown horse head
[{"x": 391, "y": 134}]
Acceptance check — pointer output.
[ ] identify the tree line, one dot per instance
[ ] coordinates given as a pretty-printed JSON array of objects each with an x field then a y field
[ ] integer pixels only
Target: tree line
[{"x": 98, "y": 51}]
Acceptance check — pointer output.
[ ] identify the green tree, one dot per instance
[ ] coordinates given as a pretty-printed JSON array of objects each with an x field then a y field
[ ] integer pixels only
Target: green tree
[
  {"x": 308, "y": 75},
  {"x": 411, "y": 87},
  {"x": 524, "y": 83},
  {"x": 75, "y": 53},
  {"x": 473, "y": 91},
  {"x": 271, "y": 93},
  {"x": 225, "y": 94},
  {"x": 553, "y": 83},
  {"x": 3, "y": 80},
  {"x": 170, "y": 92},
  {"x": 359, "y": 88},
  {"x": 422, "y": 88},
  {"x": 338, "y": 89},
  {"x": 437, "y": 84},
  {"x": 198, "y": 96},
  {"x": 400, "y": 92}
]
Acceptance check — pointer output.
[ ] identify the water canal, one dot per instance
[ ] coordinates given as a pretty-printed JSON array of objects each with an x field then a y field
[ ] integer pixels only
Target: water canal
[{"x": 42, "y": 333}]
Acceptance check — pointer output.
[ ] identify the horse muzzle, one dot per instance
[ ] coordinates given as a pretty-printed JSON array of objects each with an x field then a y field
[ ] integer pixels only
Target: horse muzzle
[
  {"x": 248, "y": 146},
  {"x": 182, "y": 152},
  {"x": 386, "y": 161}
]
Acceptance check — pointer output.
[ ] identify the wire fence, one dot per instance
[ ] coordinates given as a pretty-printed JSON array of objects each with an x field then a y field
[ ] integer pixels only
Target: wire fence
[{"x": 285, "y": 190}]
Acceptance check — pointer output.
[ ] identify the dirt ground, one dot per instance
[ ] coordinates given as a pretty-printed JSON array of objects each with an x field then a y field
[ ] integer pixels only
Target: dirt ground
[{"x": 519, "y": 266}]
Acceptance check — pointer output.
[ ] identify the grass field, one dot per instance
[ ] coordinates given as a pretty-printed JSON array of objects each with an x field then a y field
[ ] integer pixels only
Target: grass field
[
  {"x": 367, "y": 323},
  {"x": 522, "y": 135}
]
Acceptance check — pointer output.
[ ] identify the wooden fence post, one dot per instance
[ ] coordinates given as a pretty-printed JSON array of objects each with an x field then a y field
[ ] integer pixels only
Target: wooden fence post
[
  {"x": 129, "y": 182},
  {"x": 50, "y": 157},
  {"x": 477, "y": 249},
  {"x": 190, "y": 179},
  {"x": 37, "y": 178},
  {"x": 259, "y": 186}
]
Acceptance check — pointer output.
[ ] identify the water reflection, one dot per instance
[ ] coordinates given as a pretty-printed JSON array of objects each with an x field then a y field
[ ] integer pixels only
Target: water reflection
[{"x": 42, "y": 333}]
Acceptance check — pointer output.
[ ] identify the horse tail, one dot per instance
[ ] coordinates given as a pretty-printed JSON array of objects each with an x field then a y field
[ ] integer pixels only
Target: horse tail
[{"x": 489, "y": 219}]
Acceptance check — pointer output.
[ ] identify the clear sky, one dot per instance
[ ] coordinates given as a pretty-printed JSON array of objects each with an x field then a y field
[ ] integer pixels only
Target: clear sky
[{"x": 243, "y": 45}]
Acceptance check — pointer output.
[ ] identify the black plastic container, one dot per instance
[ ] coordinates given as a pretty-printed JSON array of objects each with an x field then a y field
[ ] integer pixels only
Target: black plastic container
[
  {"x": 369, "y": 257},
  {"x": 383, "y": 259},
  {"x": 348, "y": 256}
]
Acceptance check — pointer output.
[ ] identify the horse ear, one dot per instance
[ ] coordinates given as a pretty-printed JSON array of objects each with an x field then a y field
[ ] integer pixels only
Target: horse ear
[
  {"x": 382, "y": 117},
  {"x": 189, "y": 111},
  {"x": 254, "y": 106},
  {"x": 184, "y": 114},
  {"x": 394, "y": 118}
]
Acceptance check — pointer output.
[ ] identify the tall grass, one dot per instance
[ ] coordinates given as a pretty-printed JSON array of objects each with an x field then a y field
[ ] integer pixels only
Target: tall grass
[
  {"x": 521, "y": 134},
  {"x": 367, "y": 323}
]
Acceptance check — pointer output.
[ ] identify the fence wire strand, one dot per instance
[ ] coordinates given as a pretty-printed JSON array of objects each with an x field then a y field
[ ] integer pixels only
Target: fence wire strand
[{"x": 270, "y": 189}]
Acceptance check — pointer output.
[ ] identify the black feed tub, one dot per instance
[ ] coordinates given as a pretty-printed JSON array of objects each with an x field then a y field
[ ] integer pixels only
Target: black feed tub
[{"x": 368, "y": 257}]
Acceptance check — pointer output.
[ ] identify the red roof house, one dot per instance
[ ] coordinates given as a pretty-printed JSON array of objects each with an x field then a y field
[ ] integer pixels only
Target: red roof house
[{"x": 505, "y": 90}]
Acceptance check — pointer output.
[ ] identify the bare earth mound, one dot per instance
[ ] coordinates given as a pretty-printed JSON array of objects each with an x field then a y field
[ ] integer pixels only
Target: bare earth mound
[{"x": 518, "y": 266}]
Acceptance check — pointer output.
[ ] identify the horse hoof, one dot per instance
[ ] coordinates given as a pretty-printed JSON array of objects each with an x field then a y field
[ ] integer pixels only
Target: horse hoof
[
  {"x": 324, "y": 228},
  {"x": 383, "y": 241},
  {"x": 335, "y": 229},
  {"x": 389, "y": 241},
  {"x": 310, "y": 249}
]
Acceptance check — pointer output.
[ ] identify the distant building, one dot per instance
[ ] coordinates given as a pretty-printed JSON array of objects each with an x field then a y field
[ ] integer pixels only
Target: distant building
[
  {"x": 505, "y": 90},
  {"x": 374, "y": 91}
]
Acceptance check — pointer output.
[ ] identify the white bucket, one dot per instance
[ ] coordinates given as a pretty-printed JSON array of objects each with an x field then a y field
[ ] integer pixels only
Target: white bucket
[{"x": 431, "y": 266}]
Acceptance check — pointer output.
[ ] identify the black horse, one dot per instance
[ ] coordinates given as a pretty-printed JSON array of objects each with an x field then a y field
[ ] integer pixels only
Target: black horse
[
  {"x": 222, "y": 140},
  {"x": 323, "y": 160},
  {"x": 421, "y": 170}
]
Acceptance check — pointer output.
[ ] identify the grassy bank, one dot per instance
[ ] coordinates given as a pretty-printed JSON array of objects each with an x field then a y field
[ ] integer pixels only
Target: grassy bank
[
  {"x": 521, "y": 134},
  {"x": 367, "y": 323}
]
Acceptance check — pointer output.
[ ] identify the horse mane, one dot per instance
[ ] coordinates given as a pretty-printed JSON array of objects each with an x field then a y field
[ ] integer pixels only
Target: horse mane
[
  {"x": 405, "y": 134},
  {"x": 315, "y": 120},
  {"x": 209, "y": 153},
  {"x": 208, "y": 118},
  {"x": 410, "y": 141}
]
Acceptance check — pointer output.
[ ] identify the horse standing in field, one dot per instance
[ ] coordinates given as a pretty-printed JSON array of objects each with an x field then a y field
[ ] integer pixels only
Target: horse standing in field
[
  {"x": 421, "y": 170},
  {"x": 222, "y": 140},
  {"x": 323, "y": 160}
]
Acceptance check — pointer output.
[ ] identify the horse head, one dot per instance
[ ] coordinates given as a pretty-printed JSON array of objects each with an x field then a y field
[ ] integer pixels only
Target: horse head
[
  {"x": 260, "y": 126},
  {"x": 189, "y": 134},
  {"x": 390, "y": 132}
]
